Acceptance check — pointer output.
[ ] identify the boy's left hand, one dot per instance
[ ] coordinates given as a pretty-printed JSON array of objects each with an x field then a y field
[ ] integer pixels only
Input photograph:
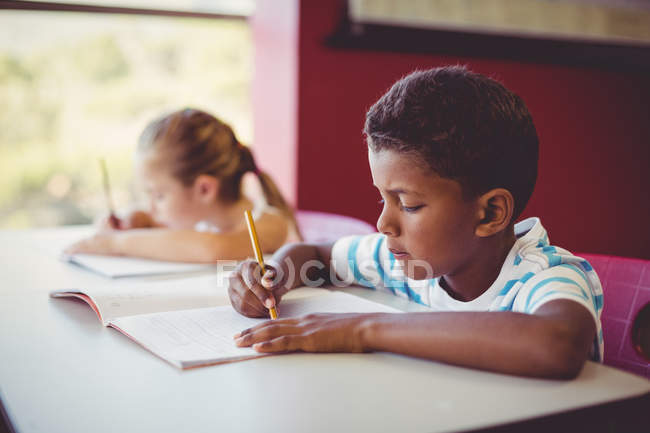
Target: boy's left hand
[
  {"x": 311, "y": 333},
  {"x": 100, "y": 243}
]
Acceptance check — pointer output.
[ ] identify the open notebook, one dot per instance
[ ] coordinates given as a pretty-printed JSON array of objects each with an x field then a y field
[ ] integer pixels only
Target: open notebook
[
  {"x": 192, "y": 337},
  {"x": 119, "y": 267}
]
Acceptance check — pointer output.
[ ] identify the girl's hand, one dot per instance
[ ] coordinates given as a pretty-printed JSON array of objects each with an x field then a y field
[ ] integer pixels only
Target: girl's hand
[
  {"x": 134, "y": 220},
  {"x": 111, "y": 222},
  {"x": 101, "y": 243},
  {"x": 251, "y": 294},
  {"x": 139, "y": 220},
  {"x": 312, "y": 333}
]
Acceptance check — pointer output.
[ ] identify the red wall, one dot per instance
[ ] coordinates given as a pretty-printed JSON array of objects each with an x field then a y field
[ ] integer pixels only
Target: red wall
[{"x": 594, "y": 129}]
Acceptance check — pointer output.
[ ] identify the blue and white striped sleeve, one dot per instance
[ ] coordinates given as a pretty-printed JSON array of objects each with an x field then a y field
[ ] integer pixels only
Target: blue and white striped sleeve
[
  {"x": 564, "y": 281},
  {"x": 361, "y": 260}
]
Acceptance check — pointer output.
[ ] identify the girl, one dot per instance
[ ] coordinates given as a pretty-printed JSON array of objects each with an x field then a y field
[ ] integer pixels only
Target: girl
[{"x": 191, "y": 166}]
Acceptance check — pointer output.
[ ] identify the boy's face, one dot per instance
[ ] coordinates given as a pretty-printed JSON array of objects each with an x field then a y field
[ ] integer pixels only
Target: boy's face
[{"x": 428, "y": 224}]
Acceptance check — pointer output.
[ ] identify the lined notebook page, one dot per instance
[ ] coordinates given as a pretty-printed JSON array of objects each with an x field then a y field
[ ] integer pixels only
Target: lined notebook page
[
  {"x": 191, "y": 338},
  {"x": 130, "y": 299}
]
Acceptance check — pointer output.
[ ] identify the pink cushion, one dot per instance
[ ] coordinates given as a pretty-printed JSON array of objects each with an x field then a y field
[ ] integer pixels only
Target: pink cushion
[
  {"x": 626, "y": 288},
  {"x": 328, "y": 227}
]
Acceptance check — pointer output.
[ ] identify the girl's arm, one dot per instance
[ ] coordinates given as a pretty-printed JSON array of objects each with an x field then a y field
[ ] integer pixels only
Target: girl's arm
[{"x": 185, "y": 245}]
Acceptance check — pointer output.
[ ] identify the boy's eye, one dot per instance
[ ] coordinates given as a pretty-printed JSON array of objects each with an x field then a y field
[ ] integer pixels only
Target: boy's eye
[{"x": 411, "y": 209}]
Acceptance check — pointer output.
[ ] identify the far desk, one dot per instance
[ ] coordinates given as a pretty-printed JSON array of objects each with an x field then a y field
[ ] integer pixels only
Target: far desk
[{"x": 62, "y": 371}]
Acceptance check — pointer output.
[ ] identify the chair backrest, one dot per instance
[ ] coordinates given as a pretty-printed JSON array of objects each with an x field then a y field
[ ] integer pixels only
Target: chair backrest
[
  {"x": 327, "y": 227},
  {"x": 626, "y": 289}
]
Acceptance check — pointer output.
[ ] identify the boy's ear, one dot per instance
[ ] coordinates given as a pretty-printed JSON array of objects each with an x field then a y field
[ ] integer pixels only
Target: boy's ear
[
  {"x": 496, "y": 208},
  {"x": 206, "y": 188}
]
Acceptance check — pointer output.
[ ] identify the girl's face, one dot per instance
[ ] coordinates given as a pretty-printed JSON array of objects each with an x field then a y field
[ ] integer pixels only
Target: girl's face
[
  {"x": 170, "y": 202},
  {"x": 429, "y": 226}
]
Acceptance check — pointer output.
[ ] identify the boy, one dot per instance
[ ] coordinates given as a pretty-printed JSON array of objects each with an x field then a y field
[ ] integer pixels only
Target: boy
[{"x": 454, "y": 157}]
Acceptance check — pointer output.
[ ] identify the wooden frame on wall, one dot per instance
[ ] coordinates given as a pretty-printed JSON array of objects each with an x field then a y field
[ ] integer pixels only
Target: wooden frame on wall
[{"x": 610, "y": 34}]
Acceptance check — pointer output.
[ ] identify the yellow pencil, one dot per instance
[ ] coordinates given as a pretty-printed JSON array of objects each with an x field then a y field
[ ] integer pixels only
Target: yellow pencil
[
  {"x": 115, "y": 222},
  {"x": 258, "y": 253}
]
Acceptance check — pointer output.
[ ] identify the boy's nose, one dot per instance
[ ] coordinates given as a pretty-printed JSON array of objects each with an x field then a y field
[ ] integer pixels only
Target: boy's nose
[{"x": 387, "y": 225}]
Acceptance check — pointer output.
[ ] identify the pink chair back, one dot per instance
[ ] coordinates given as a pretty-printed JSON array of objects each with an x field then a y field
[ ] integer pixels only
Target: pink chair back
[
  {"x": 327, "y": 227},
  {"x": 626, "y": 289}
]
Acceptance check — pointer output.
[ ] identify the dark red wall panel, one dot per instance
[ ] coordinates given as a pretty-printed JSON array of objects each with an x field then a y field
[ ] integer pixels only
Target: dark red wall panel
[{"x": 594, "y": 126}]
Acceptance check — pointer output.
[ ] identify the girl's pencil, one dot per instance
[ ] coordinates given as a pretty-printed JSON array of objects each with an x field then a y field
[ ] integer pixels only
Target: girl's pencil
[{"x": 115, "y": 222}]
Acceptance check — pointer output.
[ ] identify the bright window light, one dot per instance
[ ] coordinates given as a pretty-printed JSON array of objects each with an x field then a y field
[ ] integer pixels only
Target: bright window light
[{"x": 76, "y": 87}]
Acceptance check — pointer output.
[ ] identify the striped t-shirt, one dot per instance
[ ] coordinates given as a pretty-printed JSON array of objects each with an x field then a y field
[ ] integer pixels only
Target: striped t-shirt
[{"x": 533, "y": 274}]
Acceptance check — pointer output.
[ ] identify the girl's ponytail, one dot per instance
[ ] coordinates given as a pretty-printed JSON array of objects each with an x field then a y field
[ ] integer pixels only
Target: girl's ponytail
[{"x": 271, "y": 191}]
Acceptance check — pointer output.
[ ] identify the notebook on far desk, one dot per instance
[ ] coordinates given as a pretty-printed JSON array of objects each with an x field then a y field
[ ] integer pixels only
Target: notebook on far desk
[{"x": 121, "y": 267}]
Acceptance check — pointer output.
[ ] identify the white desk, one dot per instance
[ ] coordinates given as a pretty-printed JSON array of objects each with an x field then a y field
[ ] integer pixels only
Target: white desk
[{"x": 61, "y": 371}]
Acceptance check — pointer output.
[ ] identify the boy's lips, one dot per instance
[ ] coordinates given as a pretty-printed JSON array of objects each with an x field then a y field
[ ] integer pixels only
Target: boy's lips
[{"x": 398, "y": 254}]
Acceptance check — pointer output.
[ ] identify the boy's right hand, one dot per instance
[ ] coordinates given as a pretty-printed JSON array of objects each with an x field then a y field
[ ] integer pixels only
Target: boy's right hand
[{"x": 251, "y": 294}]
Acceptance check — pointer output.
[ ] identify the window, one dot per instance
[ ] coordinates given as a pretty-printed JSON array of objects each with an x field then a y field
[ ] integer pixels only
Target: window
[{"x": 79, "y": 86}]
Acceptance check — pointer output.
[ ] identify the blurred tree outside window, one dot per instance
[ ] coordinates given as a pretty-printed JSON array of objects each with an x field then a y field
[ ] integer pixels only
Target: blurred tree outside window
[{"x": 75, "y": 87}]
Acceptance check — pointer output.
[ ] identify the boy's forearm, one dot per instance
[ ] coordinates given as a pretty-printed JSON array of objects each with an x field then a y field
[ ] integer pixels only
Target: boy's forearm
[{"x": 507, "y": 342}]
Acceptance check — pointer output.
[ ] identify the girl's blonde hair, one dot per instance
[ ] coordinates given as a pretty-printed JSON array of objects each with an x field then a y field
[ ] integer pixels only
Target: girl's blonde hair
[{"x": 198, "y": 143}]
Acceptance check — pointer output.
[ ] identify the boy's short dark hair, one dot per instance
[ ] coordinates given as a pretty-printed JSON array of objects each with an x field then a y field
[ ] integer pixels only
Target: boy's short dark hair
[{"x": 466, "y": 126}]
